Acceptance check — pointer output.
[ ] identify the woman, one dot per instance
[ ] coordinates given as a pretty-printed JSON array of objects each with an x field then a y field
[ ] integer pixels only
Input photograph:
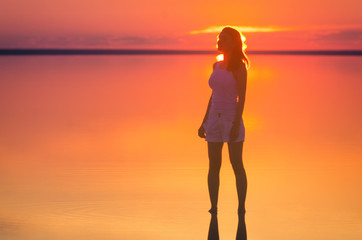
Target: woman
[{"x": 223, "y": 120}]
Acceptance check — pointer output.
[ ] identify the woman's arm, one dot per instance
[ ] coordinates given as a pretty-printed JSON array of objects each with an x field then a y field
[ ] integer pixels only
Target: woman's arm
[
  {"x": 241, "y": 77},
  {"x": 207, "y": 111},
  {"x": 209, "y": 104}
]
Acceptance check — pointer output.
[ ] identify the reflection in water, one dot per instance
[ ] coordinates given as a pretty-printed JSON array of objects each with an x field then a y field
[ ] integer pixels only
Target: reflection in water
[
  {"x": 241, "y": 233},
  {"x": 214, "y": 228}
]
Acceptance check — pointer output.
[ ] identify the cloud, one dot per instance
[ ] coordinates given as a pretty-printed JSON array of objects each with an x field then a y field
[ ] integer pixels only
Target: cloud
[
  {"x": 92, "y": 41},
  {"x": 303, "y": 38},
  {"x": 138, "y": 40},
  {"x": 217, "y": 29},
  {"x": 257, "y": 38},
  {"x": 354, "y": 35}
]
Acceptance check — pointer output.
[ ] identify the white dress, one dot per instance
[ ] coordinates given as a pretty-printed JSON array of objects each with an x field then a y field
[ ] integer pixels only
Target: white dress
[{"x": 223, "y": 107}]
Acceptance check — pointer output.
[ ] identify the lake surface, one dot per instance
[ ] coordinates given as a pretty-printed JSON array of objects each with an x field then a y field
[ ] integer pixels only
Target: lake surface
[{"x": 106, "y": 147}]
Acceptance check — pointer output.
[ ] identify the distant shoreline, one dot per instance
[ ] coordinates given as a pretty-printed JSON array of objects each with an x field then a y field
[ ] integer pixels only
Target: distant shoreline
[{"x": 15, "y": 52}]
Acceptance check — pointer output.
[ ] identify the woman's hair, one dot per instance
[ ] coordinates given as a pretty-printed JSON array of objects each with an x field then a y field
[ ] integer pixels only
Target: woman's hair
[{"x": 238, "y": 55}]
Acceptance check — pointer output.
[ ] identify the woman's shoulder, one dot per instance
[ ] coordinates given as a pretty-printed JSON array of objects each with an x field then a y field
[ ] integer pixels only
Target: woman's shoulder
[{"x": 215, "y": 64}]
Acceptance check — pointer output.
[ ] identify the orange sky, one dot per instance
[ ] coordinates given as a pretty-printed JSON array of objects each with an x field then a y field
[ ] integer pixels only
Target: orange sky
[{"x": 310, "y": 24}]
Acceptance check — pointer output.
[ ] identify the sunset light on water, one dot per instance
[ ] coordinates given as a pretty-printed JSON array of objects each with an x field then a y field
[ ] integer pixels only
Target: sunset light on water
[{"x": 87, "y": 154}]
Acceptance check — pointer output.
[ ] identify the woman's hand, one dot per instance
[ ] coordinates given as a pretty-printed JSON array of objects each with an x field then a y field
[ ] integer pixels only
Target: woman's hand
[
  {"x": 202, "y": 132},
  {"x": 234, "y": 132}
]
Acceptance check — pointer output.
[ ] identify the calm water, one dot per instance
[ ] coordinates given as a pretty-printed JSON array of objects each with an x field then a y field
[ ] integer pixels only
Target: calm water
[{"x": 106, "y": 147}]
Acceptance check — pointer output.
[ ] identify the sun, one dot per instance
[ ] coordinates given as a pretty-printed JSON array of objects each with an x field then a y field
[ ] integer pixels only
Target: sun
[{"x": 220, "y": 57}]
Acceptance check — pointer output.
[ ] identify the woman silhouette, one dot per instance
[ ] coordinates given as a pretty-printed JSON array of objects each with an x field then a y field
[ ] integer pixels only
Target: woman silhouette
[{"x": 223, "y": 120}]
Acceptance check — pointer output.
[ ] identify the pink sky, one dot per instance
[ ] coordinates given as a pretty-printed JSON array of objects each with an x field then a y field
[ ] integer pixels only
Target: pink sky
[{"x": 167, "y": 24}]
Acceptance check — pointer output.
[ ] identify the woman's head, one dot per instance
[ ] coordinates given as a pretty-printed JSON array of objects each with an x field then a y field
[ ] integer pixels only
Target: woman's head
[{"x": 230, "y": 42}]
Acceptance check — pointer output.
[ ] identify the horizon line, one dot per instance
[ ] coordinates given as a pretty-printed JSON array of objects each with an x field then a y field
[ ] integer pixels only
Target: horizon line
[{"x": 100, "y": 51}]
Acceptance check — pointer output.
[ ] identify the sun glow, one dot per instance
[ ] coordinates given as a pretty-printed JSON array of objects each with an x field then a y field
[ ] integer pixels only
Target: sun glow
[
  {"x": 220, "y": 57},
  {"x": 217, "y": 29}
]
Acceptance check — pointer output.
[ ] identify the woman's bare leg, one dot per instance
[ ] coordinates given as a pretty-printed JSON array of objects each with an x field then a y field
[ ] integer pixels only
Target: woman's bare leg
[
  {"x": 214, "y": 151},
  {"x": 235, "y": 154}
]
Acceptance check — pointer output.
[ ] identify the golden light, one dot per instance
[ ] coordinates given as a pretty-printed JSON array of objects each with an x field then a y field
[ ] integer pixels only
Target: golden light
[
  {"x": 217, "y": 29},
  {"x": 220, "y": 57},
  {"x": 243, "y": 38}
]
